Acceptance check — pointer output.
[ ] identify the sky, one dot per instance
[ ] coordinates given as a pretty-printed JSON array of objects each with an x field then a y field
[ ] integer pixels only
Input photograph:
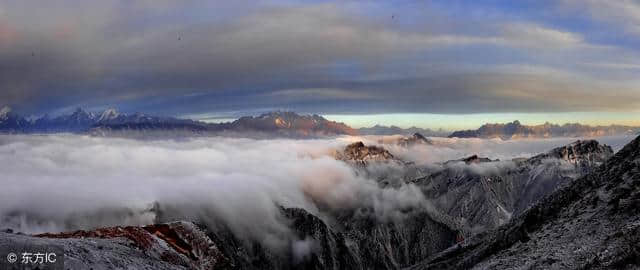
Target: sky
[{"x": 440, "y": 64}]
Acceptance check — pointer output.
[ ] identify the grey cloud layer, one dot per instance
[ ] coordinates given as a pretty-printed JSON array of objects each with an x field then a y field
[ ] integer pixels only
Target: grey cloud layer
[
  {"x": 58, "y": 183},
  {"x": 238, "y": 56}
]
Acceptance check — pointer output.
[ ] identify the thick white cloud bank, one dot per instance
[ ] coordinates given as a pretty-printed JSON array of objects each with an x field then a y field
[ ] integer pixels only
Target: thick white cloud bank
[{"x": 65, "y": 182}]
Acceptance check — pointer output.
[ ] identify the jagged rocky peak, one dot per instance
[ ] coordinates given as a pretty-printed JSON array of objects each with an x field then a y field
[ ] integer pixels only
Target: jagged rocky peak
[
  {"x": 11, "y": 122},
  {"x": 4, "y": 112},
  {"x": 586, "y": 149},
  {"x": 287, "y": 119},
  {"x": 109, "y": 114},
  {"x": 476, "y": 159},
  {"x": 414, "y": 139},
  {"x": 304, "y": 125},
  {"x": 80, "y": 115},
  {"x": 418, "y": 136},
  {"x": 580, "y": 152},
  {"x": 360, "y": 153},
  {"x": 473, "y": 159}
]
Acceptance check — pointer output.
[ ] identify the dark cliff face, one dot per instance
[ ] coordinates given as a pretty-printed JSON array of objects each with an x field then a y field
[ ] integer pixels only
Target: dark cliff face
[
  {"x": 396, "y": 244},
  {"x": 349, "y": 243},
  {"x": 315, "y": 245},
  {"x": 592, "y": 223},
  {"x": 482, "y": 194}
]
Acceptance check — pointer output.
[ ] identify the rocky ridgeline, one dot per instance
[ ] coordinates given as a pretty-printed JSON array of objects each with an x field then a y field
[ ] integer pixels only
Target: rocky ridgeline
[
  {"x": 475, "y": 194},
  {"x": 352, "y": 243},
  {"x": 415, "y": 139},
  {"x": 394, "y": 130},
  {"x": 591, "y": 223},
  {"x": 361, "y": 154},
  {"x": 482, "y": 194},
  {"x": 516, "y": 130},
  {"x": 177, "y": 245},
  {"x": 584, "y": 153},
  {"x": 290, "y": 124},
  {"x": 473, "y": 159}
]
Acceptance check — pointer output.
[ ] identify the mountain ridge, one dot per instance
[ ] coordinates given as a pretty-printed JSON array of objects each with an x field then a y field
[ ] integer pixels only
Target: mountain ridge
[
  {"x": 483, "y": 193},
  {"x": 277, "y": 123},
  {"x": 112, "y": 122},
  {"x": 516, "y": 130},
  {"x": 592, "y": 223},
  {"x": 395, "y": 130}
]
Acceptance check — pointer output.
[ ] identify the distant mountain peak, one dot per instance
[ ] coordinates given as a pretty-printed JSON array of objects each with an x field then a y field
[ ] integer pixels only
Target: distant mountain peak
[
  {"x": 582, "y": 149},
  {"x": 293, "y": 124},
  {"x": 418, "y": 136},
  {"x": 108, "y": 114},
  {"x": 515, "y": 130},
  {"x": 362, "y": 154},
  {"x": 279, "y": 114},
  {"x": 288, "y": 124},
  {"x": 379, "y": 129},
  {"x": 476, "y": 159},
  {"x": 11, "y": 122},
  {"x": 414, "y": 139},
  {"x": 4, "y": 112},
  {"x": 473, "y": 159},
  {"x": 80, "y": 115},
  {"x": 288, "y": 115},
  {"x": 581, "y": 153}
]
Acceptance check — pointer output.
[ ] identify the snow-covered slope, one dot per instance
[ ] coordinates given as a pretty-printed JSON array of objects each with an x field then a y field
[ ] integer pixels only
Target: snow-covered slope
[
  {"x": 481, "y": 194},
  {"x": 592, "y": 223}
]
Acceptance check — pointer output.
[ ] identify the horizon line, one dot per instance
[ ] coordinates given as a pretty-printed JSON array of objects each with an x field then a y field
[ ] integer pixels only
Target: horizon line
[{"x": 399, "y": 120}]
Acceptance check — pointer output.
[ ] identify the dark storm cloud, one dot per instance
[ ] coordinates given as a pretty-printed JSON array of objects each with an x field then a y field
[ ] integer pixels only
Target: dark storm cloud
[{"x": 191, "y": 57}]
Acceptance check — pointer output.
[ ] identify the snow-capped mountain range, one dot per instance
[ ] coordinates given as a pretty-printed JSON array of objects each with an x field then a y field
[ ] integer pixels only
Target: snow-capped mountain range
[
  {"x": 279, "y": 124},
  {"x": 112, "y": 122}
]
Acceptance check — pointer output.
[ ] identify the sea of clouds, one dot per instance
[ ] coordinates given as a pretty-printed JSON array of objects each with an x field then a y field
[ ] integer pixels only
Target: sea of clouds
[
  {"x": 444, "y": 149},
  {"x": 54, "y": 183}
]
